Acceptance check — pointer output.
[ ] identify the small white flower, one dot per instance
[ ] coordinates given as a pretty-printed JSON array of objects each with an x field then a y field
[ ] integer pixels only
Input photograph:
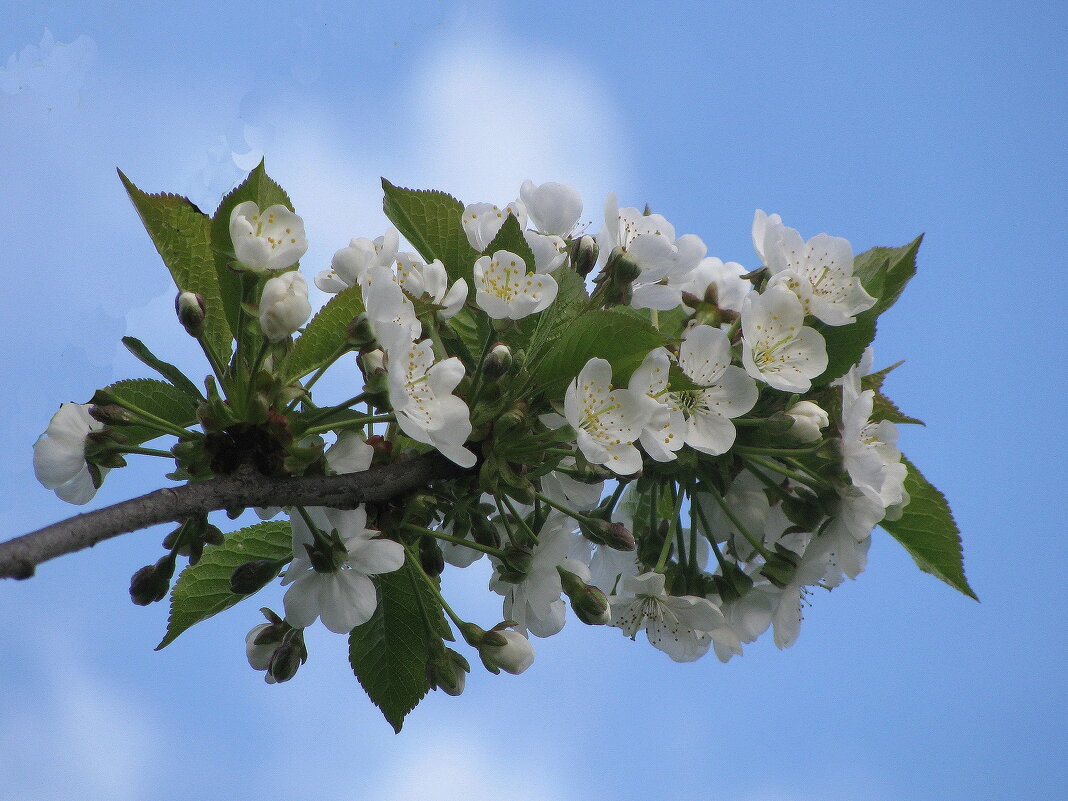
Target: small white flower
[
  {"x": 550, "y": 252},
  {"x": 350, "y": 263},
  {"x": 59, "y": 454},
  {"x": 553, "y": 208},
  {"x": 731, "y": 288},
  {"x": 272, "y": 239},
  {"x": 430, "y": 283},
  {"x": 606, "y": 421},
  {"x": 808, "y": 419},
  {"x": 869, "y": 449},
  {"x": 483, "y": 221},
  {"x": 391, "y": 312},
  {"x": 346, "y": 597},
  {"x": 505, "y": 290},
  {"x": 284, "y": 306},
  {"x": 420, "y": 392},
  {"x": 776, "y": 347},
  {"x": 819, "y": 272},
  {"x": 683, "y": 627}
]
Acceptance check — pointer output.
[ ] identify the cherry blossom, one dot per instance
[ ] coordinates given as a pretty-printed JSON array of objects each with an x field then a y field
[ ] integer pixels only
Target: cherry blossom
[
  {"x": 272, "y": 239},
  {"x": 777, "y": 348},
  {"x": 59, "y": 454}
]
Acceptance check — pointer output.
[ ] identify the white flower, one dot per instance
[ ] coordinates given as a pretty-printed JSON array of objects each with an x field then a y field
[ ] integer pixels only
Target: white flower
[
  {"x": 350, "y": 263},
  {"x": 59, "y": 454},
  {"x": 505, "y": 290},
  {"x": 776, "y": 347},
  {"x": 420, "y": 392},
  {"x": 346, "y": 597},
  {"x": 430, "y": 282},
  {"x": 819, "y": 272},
  {"x": 683, "y": 627},
  {"x": 812, "y": 565},
  {"x": 272, "y": 239},
  {"x": 748, "y": 503},
  {"x": 808, "y": 419},
  {"x": 606, "y": 421},
  {"x": 731, "y": 288},
  {"x": 284, "y": 306},
  {"x": 550, "y": 252},
  {"x": 515, "y": 656},
  {"x": 848, "y": 533},
  {"x": 553, "y": 208},
  {"x": 869, "y": 449},
  {"x": 483, "y": 221},
  {"x": 390, "y": 311}
]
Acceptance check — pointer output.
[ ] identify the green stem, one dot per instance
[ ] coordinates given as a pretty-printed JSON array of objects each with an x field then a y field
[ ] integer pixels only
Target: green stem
[
  {"x": 477, "y": 381},
  {"x": 150, "y": 420},
  {"x": 319, "y": 374},
  {"x": 519, "y": 518},
  {"x": 326, "y": 411},
  {"x": 459, "y": 622},
  {"x": 213, "y": 360},
  {"x": 561, "y": 508},
  {"x": 747, "y": 450},
  {"x": 145, "y": 451},
  {"x": 800, "y": 478},
  {"x": 440, "y": 535},
  {"x": 708, "y": 532},
  {"x": 758, "y": 546},
  {"x": 382, "y": 418}
]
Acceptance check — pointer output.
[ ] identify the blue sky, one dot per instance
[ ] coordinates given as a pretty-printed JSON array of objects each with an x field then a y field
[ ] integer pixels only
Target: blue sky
[{"x": 872, "y": 122}]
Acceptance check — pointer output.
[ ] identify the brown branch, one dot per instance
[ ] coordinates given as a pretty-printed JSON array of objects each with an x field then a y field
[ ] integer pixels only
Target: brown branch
[{"x": 20, "y": 556}]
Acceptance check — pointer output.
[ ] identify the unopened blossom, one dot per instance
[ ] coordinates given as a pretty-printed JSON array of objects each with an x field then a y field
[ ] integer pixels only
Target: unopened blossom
[
  {"x": 683, "y": 627},
  {"x": 777, "y": 348},
  {"x": 505, "y": 290},
  {"x": 515, "y": 656},
  {"x": 350, "y": 263},
  {"x": 483, "y": 221},
  {"x": 808, "y": 420},
  {"x": 284, "y": 306},
  {"x": 726, "y": 277},
  {"x": 420, "y": 393},
  {"x": 272, "y": 239},
  {"x": 819, "y": 272},
  {"x": 553, "y": 208},
  {"x": 59, "y": 454},
  {"x": 430, "y": 283},
  {"x": 344, "y": 597},
  {"x": 606, "y": 421}
]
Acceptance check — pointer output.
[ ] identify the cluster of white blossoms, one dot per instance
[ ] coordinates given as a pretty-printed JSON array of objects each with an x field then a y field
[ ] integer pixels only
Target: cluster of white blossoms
[{"x": 663, "y": 441}]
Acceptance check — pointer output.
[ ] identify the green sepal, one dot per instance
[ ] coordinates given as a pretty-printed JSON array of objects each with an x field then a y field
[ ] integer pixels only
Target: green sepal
[
  {"x": 182, "y": 234},
  {"x": 389, "y": 652},
  {"x": 928, "y": 532},
  {"x": 203, "y": 589},
  {"x": 432, "y": 222}
]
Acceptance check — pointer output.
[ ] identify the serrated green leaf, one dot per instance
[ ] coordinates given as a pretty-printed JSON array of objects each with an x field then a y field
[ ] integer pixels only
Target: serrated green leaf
[
  {"x": 845, "y": 345},
  {"x": 431, "y": 221},
  {"x": 165, "y": 369},
  {"x": 159, "y": 399},
  {"x": 622, "y": 339},
  {"x": 263, "y": 191},
  {"x": 928, "y": 532},
  {"x": 203, "y": 589},
  {"x": 511, "y": 238},
  {"x": 537, "y": 332},
  {"x": 325, "y": 334},
  {"x": 182, "y": 235},
  {"x": 885, "y": 271},
  {"x": 472, "y": 327},
  {"x": 390, "y": 651},
  {"x": 885, "y": 409}
]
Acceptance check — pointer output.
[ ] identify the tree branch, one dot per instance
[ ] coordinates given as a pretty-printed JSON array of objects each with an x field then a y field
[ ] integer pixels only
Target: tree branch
[{"x": 20, "y": 556}]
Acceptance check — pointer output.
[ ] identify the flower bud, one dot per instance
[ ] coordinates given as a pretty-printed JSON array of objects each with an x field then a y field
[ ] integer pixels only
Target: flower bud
[
  {"x": 151, "y": 582},
  {"x": 506, "y": 649},
  {"x": 374, "y": 362},
  {"x": 808, "y": 419},
  {"x": 589, "y": 604},
  {"x": 447, "y": 671},
  {"x": 359, "y": 332},
  {"x": 111, "y": 414},
  {"x": 287, "y": 658},
  {"x": 602, "y": 532},
  {"x": 497, "y": 362},
  {"x": 191, "y": 310},
  {"x": 584, "y": 254},
  {"x": 780, "y": 566},
  {"x": 430, "y": 557},
  {"x": 253, "y": 576},
  {"x": 284, "y": 305}
]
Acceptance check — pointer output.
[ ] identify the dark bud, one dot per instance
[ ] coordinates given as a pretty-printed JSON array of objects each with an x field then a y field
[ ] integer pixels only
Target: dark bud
[
  {"x": 485, "y": 532},
  {"x": 589, "y": 604},
  {"x": 780, "y": 566},
  {"x": 252, "y": 576},
  {"x": 447, "y": 671},
  {"x": 584, "y": 254},
  {"x": 151, "y": 582},
  {"x": 358, "y": 333},
  {"x": 288, "y": 657},
  {"x": 430, "y": 557},
  {"x": 498, "y": 361},
  {"x": 191, "y": 310},
  {"x": 612, "y": 535}
]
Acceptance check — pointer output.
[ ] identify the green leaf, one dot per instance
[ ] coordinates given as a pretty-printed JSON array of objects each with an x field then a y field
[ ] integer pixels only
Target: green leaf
[
  {"x": 511, "y": 238},
  {"x": 182, "y": 234},
  {"x": 472, "y": 327},
  {"x": 390, "y": 651},
  {"x": 165, "y": 369},
  {"x": 324, "y": 335},
  {"x": 620, "y": 338},
  {"x": 539, "y": 331},
  {"x": 431, "y": 221},
  {"x": 203, "y": 589},
  {"x": 929, "y": 533},
  {"x": 159, "y": 399},
  {"x": 885, "y": 409},
  {"x": 264, "y": 191},
  {"x": 885, "y": 271},
  {"x": 845, "y": 345}
]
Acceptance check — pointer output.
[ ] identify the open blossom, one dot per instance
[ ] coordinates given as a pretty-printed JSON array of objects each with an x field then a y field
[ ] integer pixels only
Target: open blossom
[
  {"x": 550, "y": 251},
  {"x": 819, "y": 272},
  {"x": 272, "y": 239},
  {"x": 483, "y": 221},
  {"x": 606, "y": 421},
  {"x": 505, "y": 290},
  {"x": 344, "y": 597},
  {"x": 699, "y": 417},
  {"x": 683, "y": 627},
  {"x": 284, "y": 306},
  {"x": 420, "y": 392},
  {"x": 726, "y": 278},
  {"x": 59, "y": 454},
  {"x": 391, "y": 312},
  {"x": 430, "y": 282},
  {"x": 777, "y": 348},
  {"x": 869, "y": 448},
  {"x": 553, "y": 208},
  {"x": 350, "y": 263}
]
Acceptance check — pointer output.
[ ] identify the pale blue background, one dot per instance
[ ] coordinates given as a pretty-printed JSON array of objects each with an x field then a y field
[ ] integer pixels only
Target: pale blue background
[{"x": 874, "y": 122}]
